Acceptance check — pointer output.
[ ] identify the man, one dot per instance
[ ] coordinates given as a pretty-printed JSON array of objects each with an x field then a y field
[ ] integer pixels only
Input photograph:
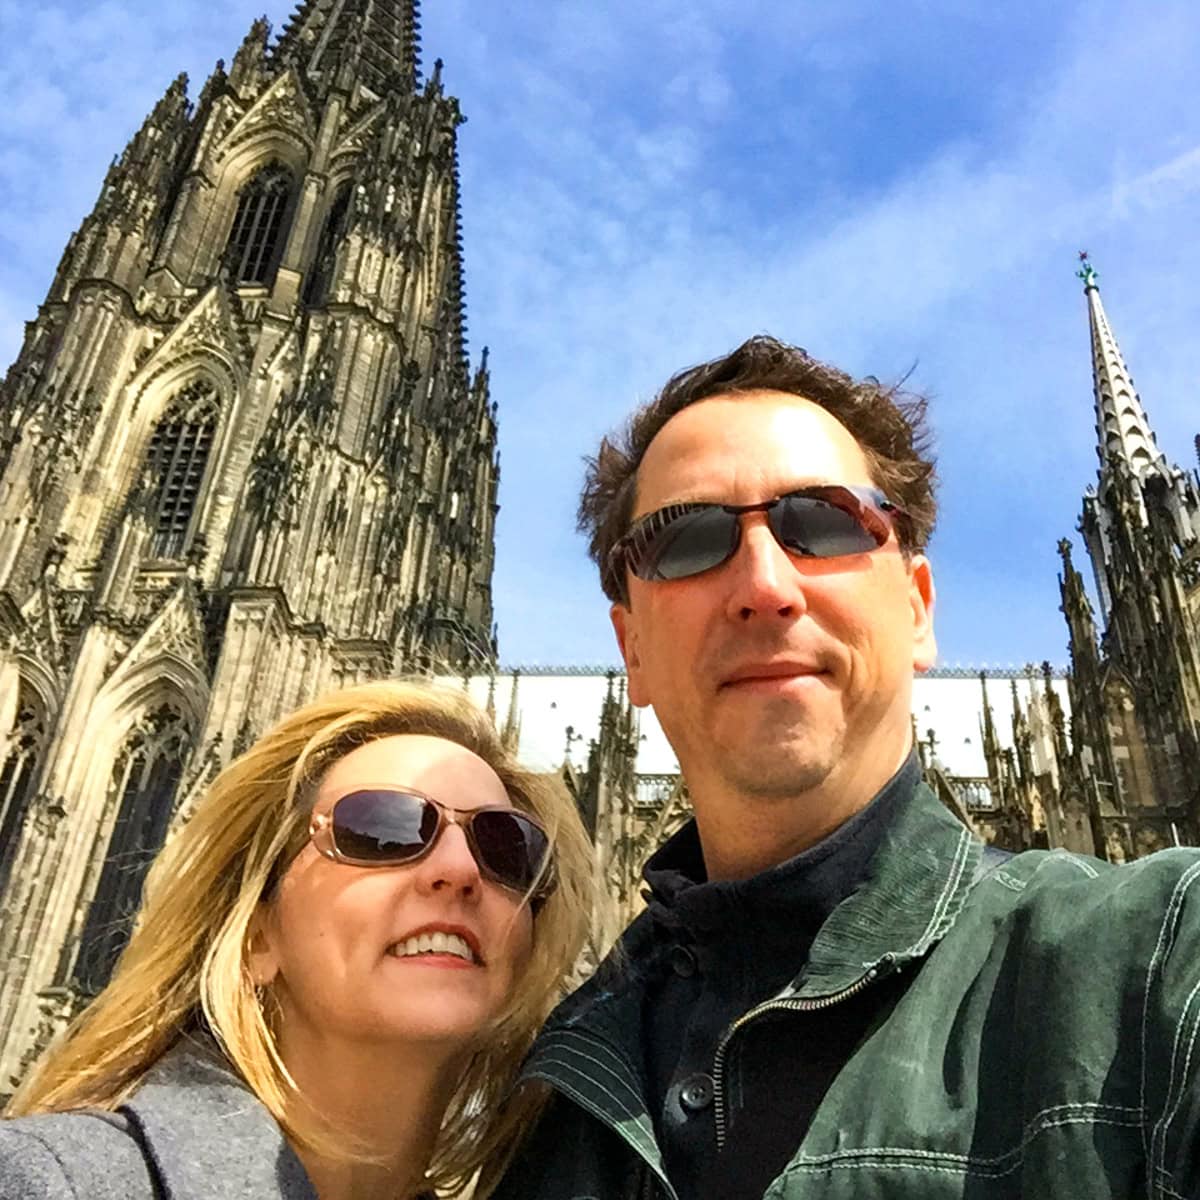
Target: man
[{"x": 835, "y": 991}]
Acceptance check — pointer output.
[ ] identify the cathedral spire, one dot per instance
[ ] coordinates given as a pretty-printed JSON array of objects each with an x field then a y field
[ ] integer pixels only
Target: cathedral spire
[
  {"x": 455, "y": 311},
  {"x": 992, "y": 752},
  {"x": 373, "y": 42},
  {"x": 1085, "y": 659},
  {"x": 117, "y": 238},
  {"x": 144, "y": 169},
  {"x": 1122, "y": 429},
  {"x": 991, "y": 744}
]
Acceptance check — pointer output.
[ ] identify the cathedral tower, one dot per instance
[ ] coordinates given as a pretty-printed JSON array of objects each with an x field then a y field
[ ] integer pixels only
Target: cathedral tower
[
  {"x": 243, "y": 459},
  {"x": 1135, "y": 691}
]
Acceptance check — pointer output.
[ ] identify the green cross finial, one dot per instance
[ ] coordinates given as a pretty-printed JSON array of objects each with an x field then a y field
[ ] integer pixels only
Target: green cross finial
[{"x": 1086, "y": 271}]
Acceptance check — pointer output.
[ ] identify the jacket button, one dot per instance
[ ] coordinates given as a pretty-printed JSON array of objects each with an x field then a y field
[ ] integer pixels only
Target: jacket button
[
  {"x": 683, "y": 961},
  {"x": 696, "y": 1092}
]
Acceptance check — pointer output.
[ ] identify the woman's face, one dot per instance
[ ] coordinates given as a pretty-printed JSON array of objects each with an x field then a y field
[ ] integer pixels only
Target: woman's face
[{"x": 332, "y": 942}]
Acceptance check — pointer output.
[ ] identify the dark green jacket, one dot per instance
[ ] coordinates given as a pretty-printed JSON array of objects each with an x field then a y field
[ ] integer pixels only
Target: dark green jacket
[{"x": 1045, "y": 1048}]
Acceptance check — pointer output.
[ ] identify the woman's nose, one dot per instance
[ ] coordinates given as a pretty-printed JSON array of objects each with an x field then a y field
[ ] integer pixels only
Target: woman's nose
[{"x": 450, "y": 864}]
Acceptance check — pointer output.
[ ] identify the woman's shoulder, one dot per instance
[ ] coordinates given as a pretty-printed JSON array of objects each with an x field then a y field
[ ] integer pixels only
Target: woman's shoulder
[
  {"x": 191, "y": 1129},
  {"x": 208, "y": 1134},
  {"x": 65, "y": 1156}
]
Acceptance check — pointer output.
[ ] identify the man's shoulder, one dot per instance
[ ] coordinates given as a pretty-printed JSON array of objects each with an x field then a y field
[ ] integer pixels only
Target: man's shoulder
[
  {"x": 77, "y": 1154},
  {"x": 1043, "y": 873},
  {"x": 570, "y": 1154},
  {"x": 1056, "y": 896}
]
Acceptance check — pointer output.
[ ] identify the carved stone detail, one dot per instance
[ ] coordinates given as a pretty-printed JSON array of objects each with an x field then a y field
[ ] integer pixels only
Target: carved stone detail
[
  {"x": 57, "y": 1007},
  {"x": 47, "y": 813}
]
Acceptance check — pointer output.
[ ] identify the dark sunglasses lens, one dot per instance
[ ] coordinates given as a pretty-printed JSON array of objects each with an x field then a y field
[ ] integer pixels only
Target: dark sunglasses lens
[
  {"x": 381, "y": 826},
  {"x": 807, "y": 525},
  {"x": 694, "y": 542},
  {"x": 510, "y": 846}
]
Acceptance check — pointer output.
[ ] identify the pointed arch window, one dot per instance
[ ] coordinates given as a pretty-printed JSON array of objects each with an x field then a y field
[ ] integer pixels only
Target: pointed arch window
[
  {"x": 145, "y": 776},
  {"x": 260, "y": 225},
  {"x": 320, "y": 275},
  {"x": 176, "y": 460},
  {"x": 20, "y": 757}
]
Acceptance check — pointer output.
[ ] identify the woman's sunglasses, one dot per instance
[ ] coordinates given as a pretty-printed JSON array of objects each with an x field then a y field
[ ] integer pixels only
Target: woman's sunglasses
[
  {"x": 826, "y": 521},
  {"x": 387, "y": 827}
]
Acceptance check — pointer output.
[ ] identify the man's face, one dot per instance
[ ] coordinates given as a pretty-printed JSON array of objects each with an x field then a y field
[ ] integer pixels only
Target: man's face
[{"x": 773, "y": 674}]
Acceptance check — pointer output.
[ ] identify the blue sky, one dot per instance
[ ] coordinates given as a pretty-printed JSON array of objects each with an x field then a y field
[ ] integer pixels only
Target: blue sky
[{"x": 646, "y": 184}]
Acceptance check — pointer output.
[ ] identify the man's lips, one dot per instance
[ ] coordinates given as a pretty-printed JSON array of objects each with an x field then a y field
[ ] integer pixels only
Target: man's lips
[{"x": 766, "y": 672}]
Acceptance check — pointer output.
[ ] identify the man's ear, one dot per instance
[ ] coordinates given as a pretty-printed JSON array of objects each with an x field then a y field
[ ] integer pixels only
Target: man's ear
[
  {"x": 261, "y": 959},
  {"x": 625, "y": 627},
  {"x": 922, "y": 597}
]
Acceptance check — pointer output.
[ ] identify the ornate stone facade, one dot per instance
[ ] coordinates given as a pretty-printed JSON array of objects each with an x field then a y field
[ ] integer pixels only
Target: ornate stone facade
[
  {"x": 1134, "y": 761},
  {"x": 243, "y": 459}
]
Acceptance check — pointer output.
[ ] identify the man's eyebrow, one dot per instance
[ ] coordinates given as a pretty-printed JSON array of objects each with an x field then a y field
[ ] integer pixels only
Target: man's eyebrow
[{"x": 787, "y": 489}]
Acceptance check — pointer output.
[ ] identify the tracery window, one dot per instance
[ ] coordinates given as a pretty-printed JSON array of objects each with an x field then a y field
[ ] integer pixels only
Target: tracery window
[
  {"x": 144, "y": 779},
  {"x": 260, "y": 225},
  {"x": 20, "y": 756},
  {"x": 176, "y": 459},
  {"x": 320, "y": 275}
]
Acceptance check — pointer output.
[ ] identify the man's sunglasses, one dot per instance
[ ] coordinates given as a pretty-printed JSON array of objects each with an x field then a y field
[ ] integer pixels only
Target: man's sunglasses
[
  {"x": 825, "y": 521},
  {"x": 387, "y": 827}
]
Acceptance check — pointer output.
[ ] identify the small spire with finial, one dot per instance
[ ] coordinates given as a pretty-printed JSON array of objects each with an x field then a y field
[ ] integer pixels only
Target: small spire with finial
[{"x": 1086, "y": 271}]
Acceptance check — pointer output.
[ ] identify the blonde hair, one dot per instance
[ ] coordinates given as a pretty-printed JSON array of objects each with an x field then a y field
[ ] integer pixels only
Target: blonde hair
[{"x": 187, "y": 957}]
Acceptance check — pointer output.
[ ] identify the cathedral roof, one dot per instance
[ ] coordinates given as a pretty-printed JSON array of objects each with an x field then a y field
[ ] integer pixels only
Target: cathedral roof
[{"x": 559, "y": 714}]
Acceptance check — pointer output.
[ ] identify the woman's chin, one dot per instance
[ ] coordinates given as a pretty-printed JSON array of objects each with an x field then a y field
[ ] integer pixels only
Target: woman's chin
[{"x": 432, "y": 1020}]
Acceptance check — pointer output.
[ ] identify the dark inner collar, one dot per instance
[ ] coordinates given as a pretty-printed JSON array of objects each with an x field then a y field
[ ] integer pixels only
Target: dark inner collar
[{"x": 800, "y": 891}]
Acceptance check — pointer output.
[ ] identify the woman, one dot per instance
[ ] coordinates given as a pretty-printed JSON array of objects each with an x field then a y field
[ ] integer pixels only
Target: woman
[{"x": 340, "y": 961}]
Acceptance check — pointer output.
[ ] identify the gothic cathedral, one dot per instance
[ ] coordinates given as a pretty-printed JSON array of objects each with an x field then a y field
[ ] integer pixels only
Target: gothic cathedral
[
  {"x": 243, "y": 459},
  {"x": 1133, "y": 764}
]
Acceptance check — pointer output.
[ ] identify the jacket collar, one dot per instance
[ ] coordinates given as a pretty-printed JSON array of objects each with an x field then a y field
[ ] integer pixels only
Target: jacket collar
[
  {"x": 590, "y": 1049},
  {"x": 207, "y": 1134},
  {"x": 919, "y": 880},
  {"x": 760, "y": 927},
  {"x": 916, "y": 887}
]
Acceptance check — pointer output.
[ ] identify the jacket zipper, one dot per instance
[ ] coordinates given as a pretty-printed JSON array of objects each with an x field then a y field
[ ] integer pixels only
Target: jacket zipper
[{"x": 883, "y": 967}]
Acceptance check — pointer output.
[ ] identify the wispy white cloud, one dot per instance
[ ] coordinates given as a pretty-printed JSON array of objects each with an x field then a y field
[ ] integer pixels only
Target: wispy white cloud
[
  {"x": 645, "y": 185},
  {"x": 959, "y": 261},
  {"x": 1160, "y": 186}
]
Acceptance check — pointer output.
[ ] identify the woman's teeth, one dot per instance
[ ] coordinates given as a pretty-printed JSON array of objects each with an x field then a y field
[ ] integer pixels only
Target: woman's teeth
[{"x": 434, "y": 943}]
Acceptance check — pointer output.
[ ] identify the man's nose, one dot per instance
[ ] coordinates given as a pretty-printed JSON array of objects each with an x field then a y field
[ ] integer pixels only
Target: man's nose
[
  {"x": 763, "y": 579},
  {"x": 450, "y": 865}
]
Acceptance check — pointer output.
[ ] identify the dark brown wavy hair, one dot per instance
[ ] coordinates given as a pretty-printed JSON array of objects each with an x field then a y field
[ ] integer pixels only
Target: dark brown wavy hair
[{"x": 887, "y": 422}]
